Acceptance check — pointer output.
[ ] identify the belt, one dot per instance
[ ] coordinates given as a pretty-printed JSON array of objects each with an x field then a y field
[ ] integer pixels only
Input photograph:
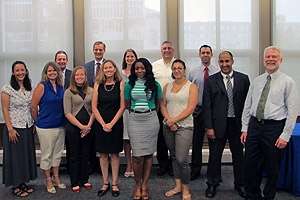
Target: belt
[
  {"x": 144, "y": 111},
  {"x": 267, "y": 121}
]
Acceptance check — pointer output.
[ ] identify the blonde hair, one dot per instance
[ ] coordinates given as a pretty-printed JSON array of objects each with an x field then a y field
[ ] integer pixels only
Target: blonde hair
[
  {"x": 59, "y": 78},
  {"x": 85, "y": 86},
  {"x": 101, "y": 77}
]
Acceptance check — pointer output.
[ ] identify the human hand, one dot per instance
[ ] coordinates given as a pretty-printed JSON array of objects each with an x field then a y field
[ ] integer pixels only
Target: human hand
[
  {"x": 210, "y": 133},
  {"x": 174, "y": 127},
  {"x": 107, "y": 127},
  {"x": 243, "y": 137},
  {"x": 84, "y": 131},
  {"x": 169, "y": 122},
  {"x": 280, "y": 143},
  {"x": 13, "y": 136}
]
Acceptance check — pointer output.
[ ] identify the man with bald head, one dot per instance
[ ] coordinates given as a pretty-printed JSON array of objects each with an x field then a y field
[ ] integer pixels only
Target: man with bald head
[{"x": 223, "y": 102}]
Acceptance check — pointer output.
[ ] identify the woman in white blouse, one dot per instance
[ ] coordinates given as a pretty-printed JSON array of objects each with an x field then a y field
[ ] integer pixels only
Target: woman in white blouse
[{"x": 19, "y": 158}]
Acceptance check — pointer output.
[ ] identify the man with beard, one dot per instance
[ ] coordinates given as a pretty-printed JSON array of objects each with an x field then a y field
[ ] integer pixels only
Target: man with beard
[{"x": 268, "y": 119}]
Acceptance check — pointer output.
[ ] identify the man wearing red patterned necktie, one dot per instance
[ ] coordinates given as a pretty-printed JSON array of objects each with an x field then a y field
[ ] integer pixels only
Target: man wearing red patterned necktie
[{"x": 198, "y": 76}]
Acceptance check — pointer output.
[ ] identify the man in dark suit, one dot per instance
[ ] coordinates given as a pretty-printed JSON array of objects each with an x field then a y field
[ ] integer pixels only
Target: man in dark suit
[
  {"x": 61, "y": 58},
  {"x": 223, "y": 101},
  {"x": 91, "y": 67}
]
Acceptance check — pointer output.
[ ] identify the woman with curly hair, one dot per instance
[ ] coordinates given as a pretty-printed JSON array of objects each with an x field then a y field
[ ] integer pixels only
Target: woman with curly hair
[{"x": 142, "y": 95}]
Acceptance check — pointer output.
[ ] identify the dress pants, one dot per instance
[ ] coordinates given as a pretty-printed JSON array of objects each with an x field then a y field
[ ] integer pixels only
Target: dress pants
[
  {"x": 216, "y": 148},
  {"x": 162, "y": 149},
  {"x": 198, "y": 137},
  {"x": 179, "y": 143},
  {"x": 93, "y": 159},
  {"x": 261, "y": 153},
  {"x": 79, "y": 157}
]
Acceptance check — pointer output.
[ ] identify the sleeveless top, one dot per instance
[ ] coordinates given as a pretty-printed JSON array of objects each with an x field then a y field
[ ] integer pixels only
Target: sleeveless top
[
  {"x": 51, "y": 110},
  {"x": 177, "y": 102}
]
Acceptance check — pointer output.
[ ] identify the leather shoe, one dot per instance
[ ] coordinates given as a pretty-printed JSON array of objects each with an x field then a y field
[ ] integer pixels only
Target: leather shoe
[
  {"x": 241, "y": 191},
  {"x": 194, "y": 175},
  {"x": 103, "y": 192},
  {"x": 170, "y": 172},
  {"x": 210, "y": 192},
  {"x": 115, "y": 193},
  {"x": 220, "y": 179},
  {"x": 161, "y": 171}
]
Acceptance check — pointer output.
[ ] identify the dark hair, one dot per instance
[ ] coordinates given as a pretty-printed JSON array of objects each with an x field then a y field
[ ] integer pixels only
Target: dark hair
[
  {"x": 149, "y": 77},
  {"x": 99, "y": 42},
  {"x": 124, "y": 65},
  {"x": 205, "y": 45},
  {"x": 178, "y": 61},
  {"x": 60, "y": 52},
  {"x": 231, "y": 55},
  {"x": 26, "y": 82}
]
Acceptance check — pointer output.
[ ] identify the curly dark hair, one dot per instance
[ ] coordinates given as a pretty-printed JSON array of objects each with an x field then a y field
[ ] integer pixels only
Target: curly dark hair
[
  {"x": 149, "y": 77},
  {"x": 26, "y": 82}
]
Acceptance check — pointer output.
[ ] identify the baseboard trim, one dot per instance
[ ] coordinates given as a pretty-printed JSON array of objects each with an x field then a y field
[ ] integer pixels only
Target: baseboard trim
[{"x": 226, "y": 158}]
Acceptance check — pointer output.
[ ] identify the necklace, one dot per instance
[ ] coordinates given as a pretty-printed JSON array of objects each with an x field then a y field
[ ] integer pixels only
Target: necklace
[{"x": 112, "y": 87}]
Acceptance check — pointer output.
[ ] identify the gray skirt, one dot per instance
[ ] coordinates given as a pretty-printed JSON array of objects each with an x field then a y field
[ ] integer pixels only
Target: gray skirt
[{"x": 143, "y": 131}]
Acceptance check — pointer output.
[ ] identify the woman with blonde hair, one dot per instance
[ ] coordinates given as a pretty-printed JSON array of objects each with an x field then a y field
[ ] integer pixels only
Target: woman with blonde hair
[
  {"x": 47, "y": 111},
  {"x": 108, "y": 107},
  {"x": 78, "y": 111}
]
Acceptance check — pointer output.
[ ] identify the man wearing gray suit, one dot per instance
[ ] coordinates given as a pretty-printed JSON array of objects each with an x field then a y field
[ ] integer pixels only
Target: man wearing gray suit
[{"x": 91, "y": 67}]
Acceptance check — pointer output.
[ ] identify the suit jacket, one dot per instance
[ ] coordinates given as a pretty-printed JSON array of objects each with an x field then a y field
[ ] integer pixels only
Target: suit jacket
[
  {"x": 90, "y": 68},
  {"x": 215, "y": 101},
  {"x": 67, "y": 78}
]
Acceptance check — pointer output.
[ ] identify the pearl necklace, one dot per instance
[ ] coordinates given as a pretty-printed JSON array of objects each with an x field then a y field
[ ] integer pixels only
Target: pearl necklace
[{"x": 112, "y": 87}]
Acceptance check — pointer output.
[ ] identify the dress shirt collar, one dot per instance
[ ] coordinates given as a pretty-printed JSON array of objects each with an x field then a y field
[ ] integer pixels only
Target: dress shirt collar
[
  {"x": 169, "y": 63},
  {"x": 273, "y": 75},
  {"x": 101, "y": 61},
  {"x": 224, "y": 75}
]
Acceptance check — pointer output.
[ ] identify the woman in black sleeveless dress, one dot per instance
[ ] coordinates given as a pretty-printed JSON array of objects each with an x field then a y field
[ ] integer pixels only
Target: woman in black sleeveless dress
[{"x": 108, "y": 107}]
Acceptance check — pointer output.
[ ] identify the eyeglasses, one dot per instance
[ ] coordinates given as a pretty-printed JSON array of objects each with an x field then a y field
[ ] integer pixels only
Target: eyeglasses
[{"x": 178, "y": 68}]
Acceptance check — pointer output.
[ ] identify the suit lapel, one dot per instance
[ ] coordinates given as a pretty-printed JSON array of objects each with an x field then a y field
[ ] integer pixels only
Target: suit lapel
[
  {"x": 220, "y": 82},
  {"x": 236, "y": 81}
]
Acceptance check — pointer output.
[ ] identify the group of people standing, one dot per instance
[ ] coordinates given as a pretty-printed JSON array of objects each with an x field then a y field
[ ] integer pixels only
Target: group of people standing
[{"x": 146, "y": 108}]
